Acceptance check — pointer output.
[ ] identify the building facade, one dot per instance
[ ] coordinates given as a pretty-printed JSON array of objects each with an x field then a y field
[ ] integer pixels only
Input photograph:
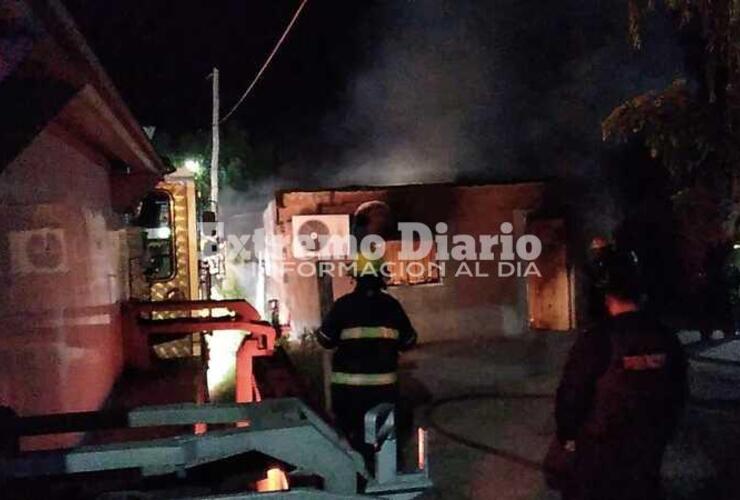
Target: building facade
[{"x": 475, "y": 299}]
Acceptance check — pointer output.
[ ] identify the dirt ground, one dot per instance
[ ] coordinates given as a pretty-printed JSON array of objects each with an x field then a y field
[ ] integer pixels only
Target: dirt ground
[{"x": 488, "y": 407}]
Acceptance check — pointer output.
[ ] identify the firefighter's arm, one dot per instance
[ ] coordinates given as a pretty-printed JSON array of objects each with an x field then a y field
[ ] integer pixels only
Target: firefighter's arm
[
  {"x": 679, "y": 377},
  {"x": 679, "y": 368},
  {"x": 575, "y": 393},
  {"x": 331, "y": 329},
  {"x": 406, "y": 333}
]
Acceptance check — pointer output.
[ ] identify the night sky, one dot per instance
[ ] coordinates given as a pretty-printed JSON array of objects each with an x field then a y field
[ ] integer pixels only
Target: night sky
[
  {"x": 159, "y": 53},
  {"x": 389, "y": 91}
]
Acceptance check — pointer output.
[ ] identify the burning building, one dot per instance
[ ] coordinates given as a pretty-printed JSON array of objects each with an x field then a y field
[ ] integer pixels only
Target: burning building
[{"x": 448, "y": 292}]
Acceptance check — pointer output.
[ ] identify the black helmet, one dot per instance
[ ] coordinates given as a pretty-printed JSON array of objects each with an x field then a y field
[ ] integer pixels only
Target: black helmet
[{"x": 622, "y": 275}]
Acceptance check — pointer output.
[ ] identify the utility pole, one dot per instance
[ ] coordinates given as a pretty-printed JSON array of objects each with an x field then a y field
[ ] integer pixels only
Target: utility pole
[{"x": 216, "y": 144}]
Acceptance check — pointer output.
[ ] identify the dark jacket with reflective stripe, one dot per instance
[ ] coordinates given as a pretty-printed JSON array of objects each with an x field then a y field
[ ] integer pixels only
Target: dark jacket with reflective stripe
[
  {"x": 624, "y": 382},
  {"x": 364, "y": 348}
]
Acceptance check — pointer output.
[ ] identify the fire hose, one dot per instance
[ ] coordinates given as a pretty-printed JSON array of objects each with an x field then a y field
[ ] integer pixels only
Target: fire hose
[
  {"x": 702, "y": 404},
  {"x": 490, "y": 450}
]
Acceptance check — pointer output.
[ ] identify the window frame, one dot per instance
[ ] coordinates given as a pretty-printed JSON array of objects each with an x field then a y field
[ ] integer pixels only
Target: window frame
[
  {"x": 172, "y": 238},
  {"x": 435, "y": 280}
]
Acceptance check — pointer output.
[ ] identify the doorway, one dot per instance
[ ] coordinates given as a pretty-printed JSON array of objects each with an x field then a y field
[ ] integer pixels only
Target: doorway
[{"x": 550, "y": 296}]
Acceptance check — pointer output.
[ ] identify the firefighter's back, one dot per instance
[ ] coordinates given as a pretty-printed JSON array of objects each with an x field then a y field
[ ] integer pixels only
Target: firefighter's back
[
  {"x": 637, "y": 401},
  {"x": 368, "y": 328},
  {"x": 369, "y": 338}
]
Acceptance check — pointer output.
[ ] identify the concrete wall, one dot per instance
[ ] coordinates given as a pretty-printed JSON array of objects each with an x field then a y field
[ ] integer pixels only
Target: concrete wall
[
  {"x": 60, "y": 343},
  {"x": 457, "y": 307}
]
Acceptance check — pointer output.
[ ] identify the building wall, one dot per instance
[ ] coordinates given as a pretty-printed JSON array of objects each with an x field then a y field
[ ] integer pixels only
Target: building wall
[
  {"x": 60, "y": 345},
  {"x": 457, "y": 307}
]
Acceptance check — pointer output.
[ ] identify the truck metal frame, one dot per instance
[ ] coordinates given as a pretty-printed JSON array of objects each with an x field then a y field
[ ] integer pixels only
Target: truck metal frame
[{"x": 284, "y": 429}]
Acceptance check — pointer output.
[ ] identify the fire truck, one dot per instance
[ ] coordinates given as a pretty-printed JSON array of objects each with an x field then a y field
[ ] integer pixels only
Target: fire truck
[
  {"x": 105, "y": 301},
  {"x": 167, "y": 317}
]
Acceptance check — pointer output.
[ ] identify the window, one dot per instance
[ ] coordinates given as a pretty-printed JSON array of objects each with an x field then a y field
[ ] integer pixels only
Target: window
[
  {"x": 159, "y": 248},
  {"x": 421, "y": 271}
]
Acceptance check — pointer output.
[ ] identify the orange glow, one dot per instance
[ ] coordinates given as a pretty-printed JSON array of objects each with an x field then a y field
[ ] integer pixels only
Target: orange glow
[
  {"x": 422, "y": 440},
  {"x": 276, "y": 480}
]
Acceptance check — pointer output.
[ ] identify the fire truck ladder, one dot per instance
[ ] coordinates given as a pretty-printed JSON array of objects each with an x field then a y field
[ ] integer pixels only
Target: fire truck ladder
[{"x": 284, "y": 429}]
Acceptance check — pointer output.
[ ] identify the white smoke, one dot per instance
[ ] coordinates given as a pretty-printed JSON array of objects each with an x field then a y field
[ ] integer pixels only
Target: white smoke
[{"x": 414, "y": 108}]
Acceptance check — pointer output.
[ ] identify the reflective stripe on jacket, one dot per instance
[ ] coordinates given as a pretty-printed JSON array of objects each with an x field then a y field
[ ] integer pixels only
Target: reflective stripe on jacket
[
  {"x": 368, "y": 332},
  {"x": 367, "y": 328},
  {"x": 363, "y": 378}
]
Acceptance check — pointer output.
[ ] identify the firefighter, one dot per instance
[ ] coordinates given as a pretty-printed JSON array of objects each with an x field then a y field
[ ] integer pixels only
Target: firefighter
[
  {"x": 732, "y": 281},
  {"x": 368, "y": 328},
  {"x": 599, "y": 253},
  {"x": 621, "y": 394}
]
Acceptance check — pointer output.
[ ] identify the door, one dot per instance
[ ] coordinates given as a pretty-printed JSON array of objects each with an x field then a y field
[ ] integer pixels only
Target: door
[{"x": 549, "y": 296}]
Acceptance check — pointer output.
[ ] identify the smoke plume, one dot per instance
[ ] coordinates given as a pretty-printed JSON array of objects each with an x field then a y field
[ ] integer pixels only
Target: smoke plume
[{"x": 470, "y": 90}]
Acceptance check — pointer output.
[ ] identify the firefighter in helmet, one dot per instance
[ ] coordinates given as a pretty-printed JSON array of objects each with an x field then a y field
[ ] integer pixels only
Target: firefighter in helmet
[
  {"x": 368, "y": 328},
  {"x": 621, "y": 394},
  {"x": 599, "y": 253}
]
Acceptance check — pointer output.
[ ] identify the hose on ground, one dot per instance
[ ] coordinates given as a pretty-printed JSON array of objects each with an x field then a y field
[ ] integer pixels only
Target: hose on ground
[{"x": 701, "y": 404}]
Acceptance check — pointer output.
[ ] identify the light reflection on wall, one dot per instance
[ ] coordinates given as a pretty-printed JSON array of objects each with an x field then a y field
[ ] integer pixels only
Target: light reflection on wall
[{"x": 222, "y": 347}]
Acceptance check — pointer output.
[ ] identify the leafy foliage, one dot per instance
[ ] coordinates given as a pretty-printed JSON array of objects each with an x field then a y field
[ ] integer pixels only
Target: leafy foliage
[
  {"x": 673, "y": 127},
  {"x": 693, "y": 131},
  {"x": 241, "y": 165},
  {"x": 720, "y": 24},
  {"x": 692, "y": 127}
]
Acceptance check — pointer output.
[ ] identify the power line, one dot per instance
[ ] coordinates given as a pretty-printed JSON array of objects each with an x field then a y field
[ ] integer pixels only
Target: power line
[{"x": 267, "y": 61}]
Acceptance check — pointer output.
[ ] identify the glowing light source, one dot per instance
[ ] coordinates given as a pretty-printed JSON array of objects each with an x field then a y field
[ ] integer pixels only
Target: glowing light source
[
  {"x": 421, "y": 448},
  {"x": 222, "y": 348},
  {"x": 276, "y": 480},
  {"x": 159, "y": 233},
  {"x": 193, "y": 165}
]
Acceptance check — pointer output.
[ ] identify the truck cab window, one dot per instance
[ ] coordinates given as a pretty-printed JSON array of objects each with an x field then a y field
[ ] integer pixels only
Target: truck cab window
[{"x": 158, "y": 236}]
